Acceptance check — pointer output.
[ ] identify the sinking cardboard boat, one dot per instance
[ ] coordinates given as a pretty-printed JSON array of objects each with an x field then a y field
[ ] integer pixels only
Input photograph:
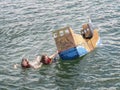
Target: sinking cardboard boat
[{"x": 71, "y": 45}]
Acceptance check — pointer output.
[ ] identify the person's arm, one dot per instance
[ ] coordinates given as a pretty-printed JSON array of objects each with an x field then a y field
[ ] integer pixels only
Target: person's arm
[
  {"x": 38, "y": 59},
  {"x": 37, "y": 66},
  {"x": 53, "y": 56},
  {"x": 16, "y": 65}
]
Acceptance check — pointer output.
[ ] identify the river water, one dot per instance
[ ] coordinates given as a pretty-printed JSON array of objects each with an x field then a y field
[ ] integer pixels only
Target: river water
[{"x": 26, "y": 31}]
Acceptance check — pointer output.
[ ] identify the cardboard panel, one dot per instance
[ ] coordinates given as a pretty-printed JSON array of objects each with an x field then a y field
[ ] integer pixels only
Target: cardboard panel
[
  {"x": 64, "y": 38},
  {"x": 92, "y": 42},
  {"x": 64, "y": 42}
]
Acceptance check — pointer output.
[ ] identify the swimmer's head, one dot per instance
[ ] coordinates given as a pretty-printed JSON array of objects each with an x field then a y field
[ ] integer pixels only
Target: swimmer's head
[
  {"x": 44, "y": 58},
  {"x": 25, "y": 63}
]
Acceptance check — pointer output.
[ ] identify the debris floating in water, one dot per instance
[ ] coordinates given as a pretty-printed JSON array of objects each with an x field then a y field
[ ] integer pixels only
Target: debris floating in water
[{"x": 71, "y": 45}]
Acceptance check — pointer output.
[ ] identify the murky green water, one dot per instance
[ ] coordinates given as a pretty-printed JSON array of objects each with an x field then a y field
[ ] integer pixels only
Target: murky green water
[{"x": 26, "y": 31}]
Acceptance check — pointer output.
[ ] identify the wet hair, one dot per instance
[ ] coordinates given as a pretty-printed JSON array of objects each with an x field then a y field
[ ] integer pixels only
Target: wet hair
[
  {"x": 43, "y": 59},
  {"x": 23, "y": 66}
]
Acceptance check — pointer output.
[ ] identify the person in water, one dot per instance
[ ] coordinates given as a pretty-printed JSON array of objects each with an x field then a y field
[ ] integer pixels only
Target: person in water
[{"x": 38, "y": 62}]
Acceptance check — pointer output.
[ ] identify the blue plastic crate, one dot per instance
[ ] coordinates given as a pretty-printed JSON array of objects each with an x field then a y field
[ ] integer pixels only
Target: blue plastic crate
[
  {"x": 73, "y": 53},
  {"x": 69, "y": 54},
  {"x": 81, "y": 51}
]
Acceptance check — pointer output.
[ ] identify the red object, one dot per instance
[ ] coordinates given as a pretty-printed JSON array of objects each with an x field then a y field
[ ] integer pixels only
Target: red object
[{"x": 48, "y": 61}]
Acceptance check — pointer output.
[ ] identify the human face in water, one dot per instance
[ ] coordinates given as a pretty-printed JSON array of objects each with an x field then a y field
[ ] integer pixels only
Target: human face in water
[
  {"x": 25, "y": 63},
  {"x": 46, "y": 58}
]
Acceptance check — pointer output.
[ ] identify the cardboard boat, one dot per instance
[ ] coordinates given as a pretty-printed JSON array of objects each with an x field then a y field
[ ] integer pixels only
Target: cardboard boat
[{"x": 71, "y": 45}]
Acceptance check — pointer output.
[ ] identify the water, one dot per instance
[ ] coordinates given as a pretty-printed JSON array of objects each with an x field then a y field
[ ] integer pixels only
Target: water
[{"x": 26, "y": 31}]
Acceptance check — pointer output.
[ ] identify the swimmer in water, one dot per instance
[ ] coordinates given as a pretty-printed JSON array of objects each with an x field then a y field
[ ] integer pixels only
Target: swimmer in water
[{"x": 38, "y": 62}]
